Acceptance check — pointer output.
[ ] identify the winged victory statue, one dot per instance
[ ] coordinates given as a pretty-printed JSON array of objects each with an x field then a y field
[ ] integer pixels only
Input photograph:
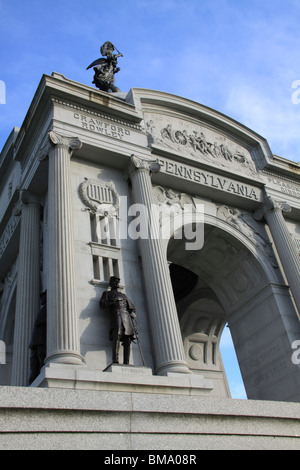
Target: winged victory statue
[{"x": 106, "y": 67}]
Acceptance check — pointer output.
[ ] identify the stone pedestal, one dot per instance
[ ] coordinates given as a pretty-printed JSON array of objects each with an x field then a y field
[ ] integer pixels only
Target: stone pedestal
[
  {"x": 58, "y": 419},
  {"x": 28, "y": 290},
  {"x": 163, "y": 319},
  {"x": 120, "y": 378}
]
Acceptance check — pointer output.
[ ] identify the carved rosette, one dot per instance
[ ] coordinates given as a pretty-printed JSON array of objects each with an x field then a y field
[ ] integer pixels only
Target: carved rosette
[{"x": 100, "y": 198}]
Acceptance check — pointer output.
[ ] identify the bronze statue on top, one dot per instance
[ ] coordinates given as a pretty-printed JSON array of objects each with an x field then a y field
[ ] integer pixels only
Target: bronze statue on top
[{"x": 106, "y": 68}]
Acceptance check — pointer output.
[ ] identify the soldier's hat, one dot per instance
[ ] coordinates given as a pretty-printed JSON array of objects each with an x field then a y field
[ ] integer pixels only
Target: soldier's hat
[{"x": 114, "y": 278}]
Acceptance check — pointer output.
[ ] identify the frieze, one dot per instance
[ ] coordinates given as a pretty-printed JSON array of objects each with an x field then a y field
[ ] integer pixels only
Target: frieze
[{"x": 201, "y": 144}]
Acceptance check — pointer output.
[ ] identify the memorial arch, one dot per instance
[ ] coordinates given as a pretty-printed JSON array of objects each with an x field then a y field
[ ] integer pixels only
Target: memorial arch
[{"x": 80, "y": 154}]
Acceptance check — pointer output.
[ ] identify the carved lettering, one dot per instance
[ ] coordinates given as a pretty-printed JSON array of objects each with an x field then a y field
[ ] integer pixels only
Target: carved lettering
[
  {"x": 209, "y": 179},
  {"x": 101, "y": 127},
  {"x": 285, "y": 187},
  {"x": 279, "y": 369}
]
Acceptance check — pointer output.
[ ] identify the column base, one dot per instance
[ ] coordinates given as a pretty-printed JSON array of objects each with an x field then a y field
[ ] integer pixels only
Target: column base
[
  {"x": 65, "y": 357},
  {"x": 176, "y": 367}
]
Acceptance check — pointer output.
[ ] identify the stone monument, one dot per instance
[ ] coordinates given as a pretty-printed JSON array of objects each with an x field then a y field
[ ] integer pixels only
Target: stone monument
[{"x": 199, "y": 220}]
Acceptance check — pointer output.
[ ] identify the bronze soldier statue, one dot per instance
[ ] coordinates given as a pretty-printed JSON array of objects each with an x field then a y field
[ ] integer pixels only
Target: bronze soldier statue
[{"x": 122, "y": 329}]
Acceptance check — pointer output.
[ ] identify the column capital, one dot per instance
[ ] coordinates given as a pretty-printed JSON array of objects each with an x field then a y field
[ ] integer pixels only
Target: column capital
[
  {"x": 57, "y": 140},
  {"x": 143, "y": 164},
  {"x": 69, "y": 143},
  {"x": 269, "y": 205},
  {"x": 25, "y": 197}
]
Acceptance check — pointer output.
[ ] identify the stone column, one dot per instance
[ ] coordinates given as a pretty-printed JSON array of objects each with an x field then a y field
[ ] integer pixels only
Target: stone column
[
  {"x": 28, "y": 288},
  {"x": 63, "y": 345},
  {"x": 273, "y": 211},
  {"x": 163, "y": 319}
]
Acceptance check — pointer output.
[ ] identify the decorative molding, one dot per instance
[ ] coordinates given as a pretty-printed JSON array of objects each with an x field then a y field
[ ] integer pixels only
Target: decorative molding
[
  {"x": 172, "y": 198},
  {"x": 246, "y": 224},
  {"x": 100, "y": 197},
  {"x": 93, "y": 113}
]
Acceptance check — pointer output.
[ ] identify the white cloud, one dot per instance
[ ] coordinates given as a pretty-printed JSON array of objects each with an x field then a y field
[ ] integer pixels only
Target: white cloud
[{"x": 270, "y": 112}]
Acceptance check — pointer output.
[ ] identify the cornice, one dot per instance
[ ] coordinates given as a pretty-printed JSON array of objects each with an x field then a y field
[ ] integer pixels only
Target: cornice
[{"x": 87, "y": 110}]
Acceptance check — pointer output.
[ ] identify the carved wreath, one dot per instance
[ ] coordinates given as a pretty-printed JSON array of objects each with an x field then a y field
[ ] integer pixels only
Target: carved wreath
[{"x": 101, "y": 198}]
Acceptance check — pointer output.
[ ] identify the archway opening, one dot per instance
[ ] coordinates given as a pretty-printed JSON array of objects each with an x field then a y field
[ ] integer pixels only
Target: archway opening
[
  {"x": 208, "y": 285},
  {"x": 202, "y": 321}
]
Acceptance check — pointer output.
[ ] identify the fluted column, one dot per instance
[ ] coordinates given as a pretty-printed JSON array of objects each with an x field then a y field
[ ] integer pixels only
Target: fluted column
[
  {"x": 28, "y": 287},
  {"x": 163, "y": 318},
  {"x": 273, "y": 211},
  {"x": 63, "y": 343}
]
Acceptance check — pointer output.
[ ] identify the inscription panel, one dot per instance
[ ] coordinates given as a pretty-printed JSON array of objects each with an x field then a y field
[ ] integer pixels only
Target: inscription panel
[
  {"x": 98, "y": 123},
  {"x": 100, "y": 126},
  {"x": 284, "y": 186},
  {"x": 209, "y": 179}
]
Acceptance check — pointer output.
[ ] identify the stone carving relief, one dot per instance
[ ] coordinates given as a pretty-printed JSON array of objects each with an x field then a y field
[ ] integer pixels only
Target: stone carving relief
[
  {"x": 5, "y": 286},
  {"x": 100, "y": 197},
  {"x": 8, "y": 232},
  {"x": 201, "y": 144},
  {"x": 246, "y": 224},
  {"x": 172, "y": 199}
]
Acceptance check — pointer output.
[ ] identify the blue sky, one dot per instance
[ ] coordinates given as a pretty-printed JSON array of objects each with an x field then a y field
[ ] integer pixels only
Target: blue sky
[{"x": 240, "y": 57}]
